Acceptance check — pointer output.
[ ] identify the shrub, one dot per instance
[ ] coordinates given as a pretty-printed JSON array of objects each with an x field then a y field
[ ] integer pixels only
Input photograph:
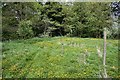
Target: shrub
[
  {"x": 113, "y": 33},
  {"x": 25, "y": 29}
]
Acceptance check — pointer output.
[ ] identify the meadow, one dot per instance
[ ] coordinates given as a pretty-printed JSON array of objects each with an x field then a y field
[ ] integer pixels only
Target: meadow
[{"x": 60, "y": 57}]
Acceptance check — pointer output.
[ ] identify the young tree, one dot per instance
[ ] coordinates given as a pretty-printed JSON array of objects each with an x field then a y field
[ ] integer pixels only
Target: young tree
[{"x": 25, "y": 29}]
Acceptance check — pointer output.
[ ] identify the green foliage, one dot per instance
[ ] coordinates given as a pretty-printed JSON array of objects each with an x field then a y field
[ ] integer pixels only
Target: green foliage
[
  {"x": 93, "y": 16},
  {"x": 113, "y": 33},
  {"x": 25, "y": 29},
  {"x": 42, "y": 58},
  {"x": 58, "y": 19}
]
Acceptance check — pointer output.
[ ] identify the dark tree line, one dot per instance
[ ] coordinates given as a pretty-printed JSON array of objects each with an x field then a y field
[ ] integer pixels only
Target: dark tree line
[{"x": 35, "y": 19}]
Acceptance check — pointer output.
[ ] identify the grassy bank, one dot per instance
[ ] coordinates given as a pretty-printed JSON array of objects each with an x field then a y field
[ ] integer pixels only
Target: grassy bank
[{"x": 58, "y": 57}]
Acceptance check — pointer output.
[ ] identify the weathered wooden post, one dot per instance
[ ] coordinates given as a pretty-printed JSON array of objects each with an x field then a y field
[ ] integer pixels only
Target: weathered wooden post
[
  {"x": 99, "y": 61},
  {"x": 62, "y": 48},
  {"x": 104, "y": 54},
  {"x": 85, "y": 56},
  {"x": 103, "y": 72},
  {"x": 62, "y": 44}
]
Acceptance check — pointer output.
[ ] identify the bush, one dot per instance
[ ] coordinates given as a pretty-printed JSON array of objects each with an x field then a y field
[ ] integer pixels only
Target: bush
[
  {"x": 25, "y": 29},
  {"x": 113, "y": 33}
]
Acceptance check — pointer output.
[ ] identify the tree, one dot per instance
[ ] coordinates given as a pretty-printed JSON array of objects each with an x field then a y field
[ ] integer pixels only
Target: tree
[
  {"x": 94, "y": 17},
  {"x": 115, "y": 15},
  {"x": 15, "y": 12},
  {"x": 83, "y": 19},
  {"x": 54, "y": 17}
]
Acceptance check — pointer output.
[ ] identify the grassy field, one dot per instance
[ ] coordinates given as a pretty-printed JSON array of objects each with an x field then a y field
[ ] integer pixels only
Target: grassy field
[{"x": 60, "y": 57}]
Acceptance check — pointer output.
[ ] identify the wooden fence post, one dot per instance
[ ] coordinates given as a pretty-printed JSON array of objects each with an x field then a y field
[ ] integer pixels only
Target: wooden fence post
[
  {"x": 104, "y": 55},
  {"x": 104, "y": 52}
]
